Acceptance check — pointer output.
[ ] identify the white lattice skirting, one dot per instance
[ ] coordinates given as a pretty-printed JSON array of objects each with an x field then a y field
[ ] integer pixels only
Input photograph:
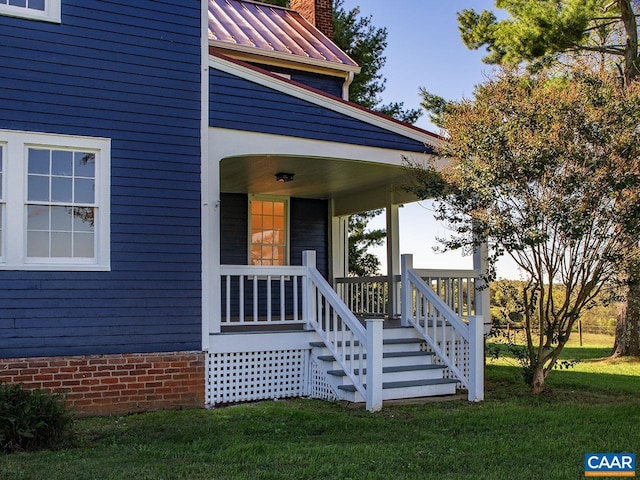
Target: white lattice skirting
[{"x": 250, "y": 376}]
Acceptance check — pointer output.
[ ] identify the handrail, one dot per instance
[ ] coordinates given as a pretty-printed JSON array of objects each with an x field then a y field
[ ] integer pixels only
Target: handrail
[
  {"x": 357, "y": 350},
  {"x": 457, "y": 344}
]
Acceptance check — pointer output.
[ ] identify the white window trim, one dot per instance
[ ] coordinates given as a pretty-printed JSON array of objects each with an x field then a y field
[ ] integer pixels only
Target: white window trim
[
  {"x": 16, "y": 145},
  {"x": 51, "y": 12},
  {"x": 287, "y": 224}
]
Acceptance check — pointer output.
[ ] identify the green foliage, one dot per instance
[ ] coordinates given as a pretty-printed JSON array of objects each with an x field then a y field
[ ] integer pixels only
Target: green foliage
[
  {"x": 546, "y": 170},
  {"x": 365, "y": 43},
  {"x": 309, "y": 439},
  {"x": 31, "y": 419},
  {"x": 539, "y": 31},
  {"x": 361, "y": 262}
]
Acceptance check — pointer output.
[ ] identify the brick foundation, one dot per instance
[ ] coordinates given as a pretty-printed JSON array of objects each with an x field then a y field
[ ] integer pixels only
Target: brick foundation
[{"x": 115, "y": 384}]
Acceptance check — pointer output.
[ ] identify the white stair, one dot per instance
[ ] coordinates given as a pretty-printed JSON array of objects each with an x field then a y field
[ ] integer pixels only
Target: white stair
[{"x": 407, "y": 370}]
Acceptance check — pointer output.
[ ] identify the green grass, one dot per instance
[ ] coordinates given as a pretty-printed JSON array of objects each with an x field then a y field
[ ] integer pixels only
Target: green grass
[{"x": 512, "y": 435}]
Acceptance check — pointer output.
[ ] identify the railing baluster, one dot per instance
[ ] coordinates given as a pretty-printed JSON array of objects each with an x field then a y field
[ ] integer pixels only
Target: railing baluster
[
  {"x": 269, "y": 299},
  {"x": 241, "y": 298},
  {"x": 295, "y": 298}
]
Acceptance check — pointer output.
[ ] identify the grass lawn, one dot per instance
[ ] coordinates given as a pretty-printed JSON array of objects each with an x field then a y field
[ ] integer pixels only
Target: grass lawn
[{"x": 512, "y": 435}]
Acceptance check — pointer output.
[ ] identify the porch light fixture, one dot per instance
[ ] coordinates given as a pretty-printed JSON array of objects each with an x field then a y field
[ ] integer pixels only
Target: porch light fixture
[{"x": 283, "y": 177}]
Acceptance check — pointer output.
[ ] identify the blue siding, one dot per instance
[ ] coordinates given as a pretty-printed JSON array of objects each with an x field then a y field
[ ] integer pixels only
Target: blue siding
[
  {"x": 239, "y": 104},
  {"x": 129, "y": 71},
  {"x": 325, "y": 83}
]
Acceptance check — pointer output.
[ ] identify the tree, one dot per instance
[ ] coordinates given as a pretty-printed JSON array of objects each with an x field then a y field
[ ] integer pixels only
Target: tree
[
  {"x": 547, "y": 171},
  {"x": 555, "y": 32},
  {"x": 361, "y": 262},
  {"x": 543, "y": 30}
]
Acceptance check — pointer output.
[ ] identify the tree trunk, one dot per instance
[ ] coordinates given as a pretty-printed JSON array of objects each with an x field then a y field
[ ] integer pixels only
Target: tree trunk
[
  {"x": 628, "y": 329},
  {"x": 538, "y": 381},
  {"x": 631, "y": 66}
]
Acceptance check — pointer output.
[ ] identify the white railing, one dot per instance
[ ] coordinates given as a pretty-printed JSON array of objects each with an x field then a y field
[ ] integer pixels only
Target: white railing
[
  {"x": 258, "y": 295},
  {"x": 456, "y": 288},
  {"x": 459, "y": 345},
  {"x": 254, "y": 295},
  {"x": 369, "y": 296},
  {"x": 365, "y": 296},
  {"x": 357, "y": 350}
]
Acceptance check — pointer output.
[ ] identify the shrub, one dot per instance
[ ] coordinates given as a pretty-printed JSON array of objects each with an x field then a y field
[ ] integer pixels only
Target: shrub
[{"x": 31, "y": 419}]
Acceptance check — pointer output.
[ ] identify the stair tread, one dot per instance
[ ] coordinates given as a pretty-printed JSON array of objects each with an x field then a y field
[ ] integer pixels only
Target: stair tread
[
  {"x": 387, "y": 341},
  {"x": 407, "y": 368},
  {"x": 331, "y": 358},
  {"x": 405, "y": 384}
]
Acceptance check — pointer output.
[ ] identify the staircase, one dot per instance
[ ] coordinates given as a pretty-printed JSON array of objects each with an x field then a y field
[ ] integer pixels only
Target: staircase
[{"x": 408, "y": 370}]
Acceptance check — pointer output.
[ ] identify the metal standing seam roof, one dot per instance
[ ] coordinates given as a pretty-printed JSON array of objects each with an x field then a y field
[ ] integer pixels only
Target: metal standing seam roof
[{"x": 273, "y": 31}]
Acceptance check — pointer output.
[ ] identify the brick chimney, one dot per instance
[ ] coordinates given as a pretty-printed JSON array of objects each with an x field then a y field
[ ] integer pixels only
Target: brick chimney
[{"x": 317, "y": 12}]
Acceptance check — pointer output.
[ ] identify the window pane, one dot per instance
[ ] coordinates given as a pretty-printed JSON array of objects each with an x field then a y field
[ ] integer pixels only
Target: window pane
[
  {"x": 1, "y": 245},
  {"x": 39, "y": 161},
  {"x": 256, "y": 207},
  {"x": 18, "y": 3},
  {"x": 61, "y": 219},
  {"x": 37, "y": 244},
  {"x": 38, "y": 188},
  {"x": 61, "y": 189},
  {"x": 267, "y": 208},
  {"x": 83, "y": 191},
  {"x": 84, "y": 164},
  {"x": 62, "y": 163},
  {"x": 278, "y": 209},
  {"x": 60, "y": 244},
  {"x": 38, "y": 217},
  {"x": 36, "y": 4},
  {"x": 83, "y": 219},
  {"x": 83, "y": 245}
]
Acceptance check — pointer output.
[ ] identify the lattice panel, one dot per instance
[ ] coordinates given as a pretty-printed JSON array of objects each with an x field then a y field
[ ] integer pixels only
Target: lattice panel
[
  {"x": 250, "y": 376},
  {"x": 461, "y": 350},
  {"x": 318, "y": 386}
]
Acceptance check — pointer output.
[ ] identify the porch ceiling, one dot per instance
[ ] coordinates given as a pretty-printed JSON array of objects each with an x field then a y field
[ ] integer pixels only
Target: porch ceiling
[{"x": 314, "y": 178}]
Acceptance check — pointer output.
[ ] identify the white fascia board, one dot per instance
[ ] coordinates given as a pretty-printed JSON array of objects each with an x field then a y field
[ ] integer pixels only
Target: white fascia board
[
  {"x": 321, "y": 100},
  {"x": 225, "y": 143}
]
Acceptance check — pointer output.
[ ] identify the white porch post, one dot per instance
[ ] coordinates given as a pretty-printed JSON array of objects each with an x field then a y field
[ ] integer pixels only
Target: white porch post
[
  {"x": 478, "y": 325},
  {"x": 393, "y": 250},
  {"x": 308, "y": 297},
  {"x": 407, "y": 263},
  {"x": 476, "y": 359},
  {"x": 339, "y": 246},
  {"x": 482, "y": 294},
  {"x": 374, "y": 364}
]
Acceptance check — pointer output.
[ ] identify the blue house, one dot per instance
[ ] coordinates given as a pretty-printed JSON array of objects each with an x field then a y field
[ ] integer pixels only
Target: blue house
[{"x": 175, "y": 183}]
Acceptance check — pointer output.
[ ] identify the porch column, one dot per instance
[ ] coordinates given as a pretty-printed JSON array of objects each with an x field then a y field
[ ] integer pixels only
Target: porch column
[
  {"x": 339, "y": 246},
  {"x": 393, "y": 250},
  {"x": 482, "y": 294}
]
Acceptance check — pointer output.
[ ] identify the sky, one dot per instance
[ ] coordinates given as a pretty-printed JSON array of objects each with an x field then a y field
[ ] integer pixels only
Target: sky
[{"x": 425, "y": 50}]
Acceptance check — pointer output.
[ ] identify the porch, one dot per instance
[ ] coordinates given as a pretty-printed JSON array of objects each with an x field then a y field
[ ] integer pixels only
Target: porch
[{"x": 284, "y": 331}]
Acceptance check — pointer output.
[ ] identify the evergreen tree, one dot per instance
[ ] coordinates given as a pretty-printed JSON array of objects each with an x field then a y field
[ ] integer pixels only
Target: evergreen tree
[{"x": 601, "y": 34}]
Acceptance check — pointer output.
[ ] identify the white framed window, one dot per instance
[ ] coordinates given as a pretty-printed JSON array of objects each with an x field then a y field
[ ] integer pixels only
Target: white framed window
[
  {"x": 46, "y": 10},
  {"x": 55, "y": 203},
  {"x": 268, "y": 230}
]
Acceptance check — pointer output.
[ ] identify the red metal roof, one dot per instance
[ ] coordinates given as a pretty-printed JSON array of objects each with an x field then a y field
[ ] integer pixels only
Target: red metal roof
[{"x": 272, "y": 31}]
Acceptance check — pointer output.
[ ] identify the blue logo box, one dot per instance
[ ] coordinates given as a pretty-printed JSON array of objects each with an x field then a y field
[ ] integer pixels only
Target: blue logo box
[{"x": 609, "y": 465}]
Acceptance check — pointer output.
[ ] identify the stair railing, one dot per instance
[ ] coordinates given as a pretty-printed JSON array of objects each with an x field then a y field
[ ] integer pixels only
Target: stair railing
[
  {"x": 459, "y": 345},
  {"x": 357, "y": 350}
]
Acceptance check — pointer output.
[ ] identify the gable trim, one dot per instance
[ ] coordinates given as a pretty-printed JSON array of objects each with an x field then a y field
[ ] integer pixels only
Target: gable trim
[{"x": 321, "y": 99}]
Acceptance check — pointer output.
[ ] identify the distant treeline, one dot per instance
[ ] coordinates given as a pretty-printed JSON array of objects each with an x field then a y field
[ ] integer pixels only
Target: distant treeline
[{"x": 506, "y": 307}]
